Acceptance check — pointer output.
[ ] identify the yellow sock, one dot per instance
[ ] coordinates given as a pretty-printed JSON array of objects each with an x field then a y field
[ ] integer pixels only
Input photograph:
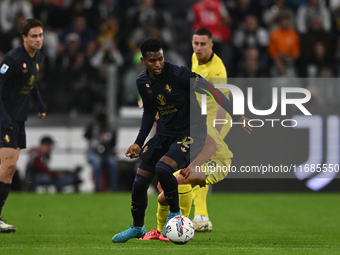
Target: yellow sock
[
  {"x": 162, "y": 214},
  {"x": 200, "y": 201},
  {"x": 185, "y": 199}
]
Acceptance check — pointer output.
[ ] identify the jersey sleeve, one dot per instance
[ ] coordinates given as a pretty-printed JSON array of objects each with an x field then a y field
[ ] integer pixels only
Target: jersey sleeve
[
  {"x": 149, "y": 113},
  {"x": 7, "y": 69}
]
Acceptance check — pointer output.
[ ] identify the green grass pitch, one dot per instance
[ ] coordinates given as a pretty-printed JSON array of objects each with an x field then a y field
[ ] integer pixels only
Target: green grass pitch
[{"x": 242, "y": 224}]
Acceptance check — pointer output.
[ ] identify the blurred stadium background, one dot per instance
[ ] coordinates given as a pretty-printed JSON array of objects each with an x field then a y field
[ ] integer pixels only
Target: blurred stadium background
[{"x": 92, "y": 61}]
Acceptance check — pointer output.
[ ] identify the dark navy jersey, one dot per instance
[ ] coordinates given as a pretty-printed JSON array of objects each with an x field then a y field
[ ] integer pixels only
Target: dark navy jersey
[
  {"x": 172, "y": 95},
  {"x": 18, "y": 72}
]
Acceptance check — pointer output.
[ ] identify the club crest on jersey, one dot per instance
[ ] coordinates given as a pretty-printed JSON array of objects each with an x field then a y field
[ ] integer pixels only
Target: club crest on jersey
[
  {"x": 147, "y": 85},
  {"x": 149, "y": 91},
  {"x": 161, "y": 99},
  {"x": 4, "y": 68},
  {"x": 7, "y": 138},
  {"x": 168, "y": 88},
  {"x": 37, "y": 65}
]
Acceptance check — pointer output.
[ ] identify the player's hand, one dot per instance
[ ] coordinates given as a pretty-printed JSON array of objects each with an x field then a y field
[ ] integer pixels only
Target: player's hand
[
  {"x": 185, "y": 172},
  {"x": 245, "y": 125},
  {"x": 41, "y": 115},
  {"x": 133, "y": 151}
]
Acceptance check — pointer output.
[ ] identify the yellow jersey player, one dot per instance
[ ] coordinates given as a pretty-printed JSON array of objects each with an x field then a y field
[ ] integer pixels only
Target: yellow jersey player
[{"x": 206, "y": 63}]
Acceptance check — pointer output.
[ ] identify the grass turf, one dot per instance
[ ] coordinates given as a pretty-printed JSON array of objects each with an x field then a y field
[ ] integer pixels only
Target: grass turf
[{"x": 242, "y": 224}]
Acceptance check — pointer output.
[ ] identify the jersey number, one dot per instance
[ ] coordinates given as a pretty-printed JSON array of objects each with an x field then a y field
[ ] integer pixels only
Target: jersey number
[{"x": 185, "y": 142}]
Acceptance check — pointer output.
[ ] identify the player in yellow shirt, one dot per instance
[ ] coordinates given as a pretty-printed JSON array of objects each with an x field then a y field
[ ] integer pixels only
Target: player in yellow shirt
[{"x": 206, "y": 63}]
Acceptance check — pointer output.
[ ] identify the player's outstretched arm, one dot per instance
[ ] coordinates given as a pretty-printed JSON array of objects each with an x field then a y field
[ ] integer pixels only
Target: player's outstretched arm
[{"x": 133, "y": 151}]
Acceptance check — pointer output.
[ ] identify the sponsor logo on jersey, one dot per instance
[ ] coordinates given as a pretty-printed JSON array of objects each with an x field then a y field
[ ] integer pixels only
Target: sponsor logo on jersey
[
  {"x": 161, "y": 99},
  {"x": 4, "y": 68}
]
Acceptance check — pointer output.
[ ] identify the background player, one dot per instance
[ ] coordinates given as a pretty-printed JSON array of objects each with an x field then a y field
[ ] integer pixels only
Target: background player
[
  {"x": 166, "y": 88},
  {"x": 18, "y": 72},
  {"x": 206, "y": 63}
]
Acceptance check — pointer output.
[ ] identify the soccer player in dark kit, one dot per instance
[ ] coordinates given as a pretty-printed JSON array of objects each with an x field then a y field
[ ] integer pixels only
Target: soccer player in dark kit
[
  {"x": 166, "y": 88},
  {"x": 18, "y": 72}
]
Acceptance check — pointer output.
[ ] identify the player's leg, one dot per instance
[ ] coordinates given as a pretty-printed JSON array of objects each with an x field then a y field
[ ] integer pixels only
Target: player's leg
[
  {"x": 201, "y": 220},
  {"x": 8, "y": 166},
  {"x": 185, "y": 201},
  {"x": 200, "y": 204},
  {"x": 178, "y": 156},
  {"x": 164, "y": 171},
  {"x": 139, "y": 200}
]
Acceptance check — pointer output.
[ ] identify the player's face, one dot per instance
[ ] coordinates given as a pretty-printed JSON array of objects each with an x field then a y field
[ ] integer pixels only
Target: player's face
[
  {"x": 154, "y": 62},
  {"x": 202, "y": 47},
  {"x": 34, "y": 38}
]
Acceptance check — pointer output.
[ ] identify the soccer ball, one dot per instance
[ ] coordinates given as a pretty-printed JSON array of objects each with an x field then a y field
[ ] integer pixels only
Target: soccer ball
[{"x": 180, "y": 230}]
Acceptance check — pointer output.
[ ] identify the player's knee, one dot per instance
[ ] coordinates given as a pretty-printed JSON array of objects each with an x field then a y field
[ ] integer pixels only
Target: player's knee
[
  {"x": 9, "y": 166},
  {"x": 161, "y": 199},
  {"x": 141, "y": 184},
  {"x": 163, "y": 170}
]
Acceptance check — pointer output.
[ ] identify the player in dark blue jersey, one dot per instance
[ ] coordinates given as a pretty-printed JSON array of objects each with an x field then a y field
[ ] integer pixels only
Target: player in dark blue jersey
[
  {"x": 18, "y": 72},
  {"x": 181, "y": 130}
]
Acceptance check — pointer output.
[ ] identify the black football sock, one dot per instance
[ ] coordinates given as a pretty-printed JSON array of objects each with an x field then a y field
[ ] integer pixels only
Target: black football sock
[
  {"x": 169, "y": 184},
  {"x": 4, "y": 191},
  {"x": 139, "y": 199}
]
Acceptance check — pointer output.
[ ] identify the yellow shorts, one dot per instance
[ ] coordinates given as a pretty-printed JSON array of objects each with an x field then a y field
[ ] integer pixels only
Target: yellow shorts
[{"x": 216, "y": 169}]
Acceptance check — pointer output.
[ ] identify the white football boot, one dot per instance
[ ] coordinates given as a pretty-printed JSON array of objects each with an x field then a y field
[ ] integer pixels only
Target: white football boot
[
  {"x": 6, "y": 228},
  {"x": 202, "y": 223}
]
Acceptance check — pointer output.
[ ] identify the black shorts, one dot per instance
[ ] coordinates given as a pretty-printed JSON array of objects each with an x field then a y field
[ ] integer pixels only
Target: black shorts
[
  {"x": 180, "y": 148},
  {"x": 14, "y": 138}
]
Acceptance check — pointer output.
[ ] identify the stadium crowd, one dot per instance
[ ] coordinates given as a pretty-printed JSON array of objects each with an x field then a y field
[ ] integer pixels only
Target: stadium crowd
[{"x": 255, "y": 39}]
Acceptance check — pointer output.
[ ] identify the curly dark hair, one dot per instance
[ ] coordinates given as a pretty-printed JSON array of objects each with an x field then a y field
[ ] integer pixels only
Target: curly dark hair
[{"x": 150, "y": 45}]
